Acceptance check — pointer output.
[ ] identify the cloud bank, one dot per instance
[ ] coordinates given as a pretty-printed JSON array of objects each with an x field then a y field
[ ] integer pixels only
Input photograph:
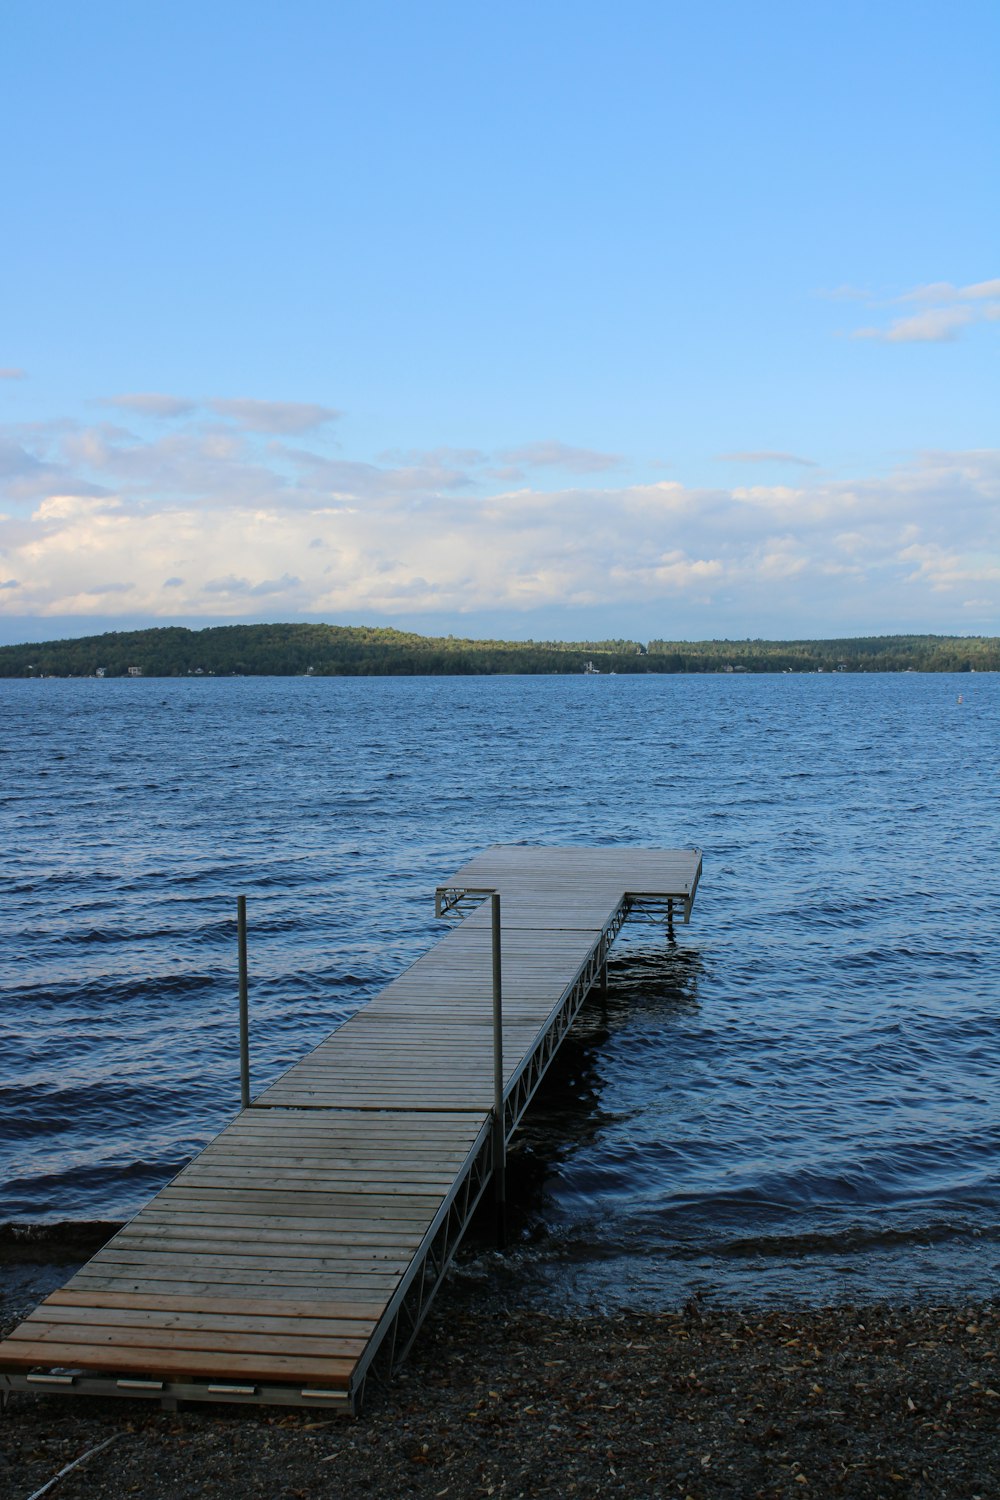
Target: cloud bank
[{"x": 207, "y": 520}]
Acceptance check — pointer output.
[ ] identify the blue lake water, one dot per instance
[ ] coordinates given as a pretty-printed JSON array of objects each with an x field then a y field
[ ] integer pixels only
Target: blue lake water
[{"x": 800, "y": 1099}]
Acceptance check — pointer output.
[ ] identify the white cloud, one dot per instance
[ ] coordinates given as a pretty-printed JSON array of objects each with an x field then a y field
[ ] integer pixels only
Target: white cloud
[
  {"x": 74, "y": 507},
  {"x": 945, "y": 568},
  {"x": 982, "y": 289},
  {"x": 945, "y": 291},
  {"x": 274, "y": 416},
  {"x": 779, "y": 559},
  {"x": 152, "y": 404},
  {"x": 947, "y": 310},
  {"x": 937, "y": 326},
  {"x": 442, "y": 457},
  {"x": 278, "y": 417},
  {"x": 244, "y": 588},
  {"x": 768, "y": 456},
  {"x": 209, "y": 523},
  {"x": 553, "y": 454}
]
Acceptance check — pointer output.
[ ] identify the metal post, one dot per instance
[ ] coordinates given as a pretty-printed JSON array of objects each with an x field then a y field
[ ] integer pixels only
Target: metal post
[
  {"x": 241, "y": 932},
  {"x": 499, "y": 1130},
  {"x": 670, "y": 921}
]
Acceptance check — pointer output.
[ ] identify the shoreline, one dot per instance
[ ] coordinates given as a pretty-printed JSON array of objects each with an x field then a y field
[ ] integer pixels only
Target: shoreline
[{"x": 700, "y": 1401}]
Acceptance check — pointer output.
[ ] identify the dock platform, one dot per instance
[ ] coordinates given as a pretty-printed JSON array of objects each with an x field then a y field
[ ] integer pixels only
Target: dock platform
[{"x": 299, "y": 1252}]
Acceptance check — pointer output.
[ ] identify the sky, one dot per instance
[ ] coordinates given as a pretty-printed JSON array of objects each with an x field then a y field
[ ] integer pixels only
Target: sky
[{"x": 550, "y": 320}]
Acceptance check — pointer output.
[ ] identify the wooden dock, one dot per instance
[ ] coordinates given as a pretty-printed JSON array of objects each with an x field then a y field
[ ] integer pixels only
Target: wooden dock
[{"x": 301, "y": 1250}]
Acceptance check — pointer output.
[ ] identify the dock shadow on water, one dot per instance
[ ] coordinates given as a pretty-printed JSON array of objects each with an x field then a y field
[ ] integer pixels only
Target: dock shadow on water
[
  {"x": 656, "y": 1165},
  {"x": 559, "y": 1172}
]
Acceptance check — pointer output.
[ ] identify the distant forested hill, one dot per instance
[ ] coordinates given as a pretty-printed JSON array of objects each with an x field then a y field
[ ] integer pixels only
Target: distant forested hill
[{"x": 353, "y": 651}]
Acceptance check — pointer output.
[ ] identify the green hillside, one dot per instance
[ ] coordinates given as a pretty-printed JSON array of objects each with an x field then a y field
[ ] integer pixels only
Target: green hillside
[{"x": 357, "y": 651}]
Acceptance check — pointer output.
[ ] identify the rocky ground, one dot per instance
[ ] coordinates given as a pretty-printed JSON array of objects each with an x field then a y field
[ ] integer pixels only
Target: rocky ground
[{"x": 699, "y": 1402}]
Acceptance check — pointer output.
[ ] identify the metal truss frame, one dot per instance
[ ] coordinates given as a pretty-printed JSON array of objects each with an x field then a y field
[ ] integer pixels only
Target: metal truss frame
[
  {"x": 400, "y": 1323},
  {"x": 454, "y": 902},
  {"x": 528, "y": 1076},
  {"x": 170, "y": 1392},
  {"x": 661, "y": 909}
]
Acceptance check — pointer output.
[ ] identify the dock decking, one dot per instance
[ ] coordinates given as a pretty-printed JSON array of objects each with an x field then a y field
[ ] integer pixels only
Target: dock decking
[{"x": 304, "y": 1245}]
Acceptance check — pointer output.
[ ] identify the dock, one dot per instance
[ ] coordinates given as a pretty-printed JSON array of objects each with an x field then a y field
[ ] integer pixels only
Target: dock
[{"x": 298, "y": 1254}]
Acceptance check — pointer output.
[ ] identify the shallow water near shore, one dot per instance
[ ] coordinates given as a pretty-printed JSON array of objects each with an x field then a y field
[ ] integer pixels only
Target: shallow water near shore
[{"x": 796, "y": 1100}]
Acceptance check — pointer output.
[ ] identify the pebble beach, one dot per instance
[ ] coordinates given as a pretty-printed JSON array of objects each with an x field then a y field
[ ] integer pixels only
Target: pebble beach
[{"x": 699, "y": 1401}]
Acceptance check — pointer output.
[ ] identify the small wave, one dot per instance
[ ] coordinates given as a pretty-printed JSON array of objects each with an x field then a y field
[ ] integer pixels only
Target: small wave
[{"x": 854, "y": 1240}]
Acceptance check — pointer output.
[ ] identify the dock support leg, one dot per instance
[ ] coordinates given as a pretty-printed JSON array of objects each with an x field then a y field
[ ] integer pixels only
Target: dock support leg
[
  {"x": 241, "y": 931},
  {"x": 670, "y": 922},
  {"x": 499, "y": 1132}
]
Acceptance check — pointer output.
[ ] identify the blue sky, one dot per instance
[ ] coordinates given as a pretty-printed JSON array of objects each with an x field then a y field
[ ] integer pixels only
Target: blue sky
[{"x": 539, "y": 320}]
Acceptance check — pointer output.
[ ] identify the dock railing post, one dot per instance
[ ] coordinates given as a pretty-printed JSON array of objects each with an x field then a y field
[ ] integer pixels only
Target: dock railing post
[
  {"x": 241, "y": 933},
  {"x": 499, "y": 1124}
]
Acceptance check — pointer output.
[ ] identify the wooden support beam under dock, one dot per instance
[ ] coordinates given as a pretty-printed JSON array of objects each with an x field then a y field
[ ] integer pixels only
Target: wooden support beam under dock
[{"x": 302, "y": 1248}]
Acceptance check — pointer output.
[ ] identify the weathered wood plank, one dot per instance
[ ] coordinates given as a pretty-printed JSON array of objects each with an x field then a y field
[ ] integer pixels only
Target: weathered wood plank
[
  {"x": 403, "y": 1205},
  {"x": 230, "y": 1305},
  {"x": 151, "y": 1275},
  {"x": 152, "y": 1339},
  {"x": 26, "y": 1355},
  {"x": 279, "y": 1231},
  {"x": 234, "y": 1251},
  {"x": 123, "y": 1317}
]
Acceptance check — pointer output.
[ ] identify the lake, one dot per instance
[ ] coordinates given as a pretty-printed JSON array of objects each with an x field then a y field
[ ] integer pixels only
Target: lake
[{"x": 799, "y": 1099}]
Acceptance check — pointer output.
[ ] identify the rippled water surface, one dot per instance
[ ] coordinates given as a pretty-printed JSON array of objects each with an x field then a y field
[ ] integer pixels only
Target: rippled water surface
[{"x": 797, "y": 1099}]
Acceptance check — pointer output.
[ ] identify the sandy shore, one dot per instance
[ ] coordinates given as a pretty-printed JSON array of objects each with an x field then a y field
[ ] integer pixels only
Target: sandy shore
[{"x": 699, "y": 1402}]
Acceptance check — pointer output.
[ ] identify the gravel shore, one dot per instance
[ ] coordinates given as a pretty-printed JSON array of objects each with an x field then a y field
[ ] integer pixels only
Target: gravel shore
[{"x": 698, "y": 1402}]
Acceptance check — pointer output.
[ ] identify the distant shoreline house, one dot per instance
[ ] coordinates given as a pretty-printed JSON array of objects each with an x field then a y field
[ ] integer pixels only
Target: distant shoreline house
[{"x": 135, "y": 671}]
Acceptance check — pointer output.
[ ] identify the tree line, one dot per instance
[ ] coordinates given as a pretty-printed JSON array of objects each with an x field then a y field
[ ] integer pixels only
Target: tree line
[{"x": 295, "y": 650}]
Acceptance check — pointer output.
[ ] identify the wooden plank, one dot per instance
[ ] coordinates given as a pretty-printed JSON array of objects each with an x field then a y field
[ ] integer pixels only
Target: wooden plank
[
  {"x": 234, "y": 1306},
  {"x": 241, "y": 1261},
  {"x": 328, "y": 1231},
  {"x": 271, "y": 1288},
  {"x": 310, "y": 1133},
  {"x": 303, "y": 1201},
  {"x": 390, "y": 1126},
  {"x": 321, "y": 1253},
  {"x": 152, "y": 1339},
  {"x": 360, "y": 1284},
  {"x": 27, "y": 1355},
  {"x": 253, "y": 1208},
  {"x": 324, "y": 1172},
  {"x": 379, "y": 1184},
  {"x": 172, "y": 1232},
  {"x": 121, "y": 1317}
]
